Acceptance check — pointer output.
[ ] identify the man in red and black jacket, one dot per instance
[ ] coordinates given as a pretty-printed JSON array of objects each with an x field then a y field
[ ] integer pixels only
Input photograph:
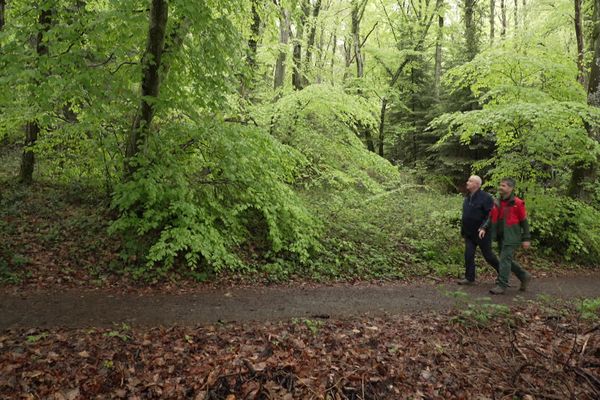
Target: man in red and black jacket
[{"x": 509, "y": 226}]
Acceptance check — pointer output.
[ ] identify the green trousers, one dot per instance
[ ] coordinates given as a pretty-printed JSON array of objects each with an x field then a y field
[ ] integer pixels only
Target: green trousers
[{"x": 508, "y": 264}]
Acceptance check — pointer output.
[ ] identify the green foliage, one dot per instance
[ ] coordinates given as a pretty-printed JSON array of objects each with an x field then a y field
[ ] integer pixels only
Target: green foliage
[
  {"x": 479, "y": 313},
  {"x": 201, "y": 202},
  {"x": 8, "y": 274},
  {"x": 393, "y": 234},
  {"x": 378, "y": 222},
  {"x": 36, "y": 338},
  {"x": 590, "y": 308},
  {"x": 313, "y": 325},
  {"x": 566, "y": 226},
  {"x": 326, "y": 125},
  {"x": 122, "y": 332},
  {"x": 306, "y": 197},
  {"x": 533, "y": 110}
]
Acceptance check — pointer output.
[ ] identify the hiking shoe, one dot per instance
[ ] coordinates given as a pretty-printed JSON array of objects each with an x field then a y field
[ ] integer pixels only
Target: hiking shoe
[
  {"x": 525, "y": 283},
  {"x": 465, "y": 282},
  {"x": 497, "y": 290}
]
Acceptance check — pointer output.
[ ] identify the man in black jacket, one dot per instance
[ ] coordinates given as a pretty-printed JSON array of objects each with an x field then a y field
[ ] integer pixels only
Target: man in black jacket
[{"x": 476, "y": 209}]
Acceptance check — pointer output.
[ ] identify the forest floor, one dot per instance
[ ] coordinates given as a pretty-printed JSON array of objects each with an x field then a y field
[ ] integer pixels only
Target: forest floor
[{"x": 390, "y": 341}]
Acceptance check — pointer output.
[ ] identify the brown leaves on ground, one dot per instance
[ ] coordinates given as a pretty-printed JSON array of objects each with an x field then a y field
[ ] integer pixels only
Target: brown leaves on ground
[{"x": 533, "y": 353}]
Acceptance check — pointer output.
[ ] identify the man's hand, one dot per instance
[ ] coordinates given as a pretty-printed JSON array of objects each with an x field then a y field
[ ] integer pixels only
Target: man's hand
[
  {"x": 526, "y": 245},
  {"x": 481, "y": 233}
]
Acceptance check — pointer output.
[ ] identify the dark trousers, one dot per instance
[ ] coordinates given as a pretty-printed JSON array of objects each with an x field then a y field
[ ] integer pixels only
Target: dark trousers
[{"x": 485, "y": 245}]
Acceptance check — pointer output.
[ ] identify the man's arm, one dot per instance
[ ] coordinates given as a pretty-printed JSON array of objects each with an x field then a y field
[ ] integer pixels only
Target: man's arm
[
  {"x": 524, "y": 223},
  {"x": 488, "y": 205}
]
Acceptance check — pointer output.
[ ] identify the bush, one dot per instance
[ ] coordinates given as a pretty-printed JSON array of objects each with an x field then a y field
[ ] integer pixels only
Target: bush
[
  {"x": 201, "y": 202},
  {"x": 566, "y": 226}
]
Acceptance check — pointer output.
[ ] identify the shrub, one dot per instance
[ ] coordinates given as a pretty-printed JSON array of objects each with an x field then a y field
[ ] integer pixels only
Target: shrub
[
  {"x": 198, "y": 203},
  {"x": 566, "y": 226}
]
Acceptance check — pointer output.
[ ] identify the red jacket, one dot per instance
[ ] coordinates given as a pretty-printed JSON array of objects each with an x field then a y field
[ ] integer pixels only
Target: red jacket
[{"x": 508, "y": 221}]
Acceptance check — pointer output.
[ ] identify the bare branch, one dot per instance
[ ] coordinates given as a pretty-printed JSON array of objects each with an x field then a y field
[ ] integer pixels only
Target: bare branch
[{"x": 109, "y": 59}]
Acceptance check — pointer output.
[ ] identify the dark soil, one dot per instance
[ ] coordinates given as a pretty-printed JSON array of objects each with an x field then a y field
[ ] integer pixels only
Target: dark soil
[{"x": 81, "y": 308}]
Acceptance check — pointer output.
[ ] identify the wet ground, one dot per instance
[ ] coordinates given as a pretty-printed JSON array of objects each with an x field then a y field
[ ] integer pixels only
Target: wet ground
[{"x": 82, "y": 308}]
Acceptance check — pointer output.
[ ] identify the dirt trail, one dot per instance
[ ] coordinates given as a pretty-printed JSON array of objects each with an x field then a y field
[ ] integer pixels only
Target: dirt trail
[{"x": 79, "y": 308}]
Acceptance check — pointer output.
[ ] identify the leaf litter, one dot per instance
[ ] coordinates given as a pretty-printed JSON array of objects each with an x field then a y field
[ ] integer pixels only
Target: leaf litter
[{"x": 534, "y": 352}]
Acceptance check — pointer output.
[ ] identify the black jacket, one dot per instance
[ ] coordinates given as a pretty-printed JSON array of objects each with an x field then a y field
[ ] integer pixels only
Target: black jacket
[{"x": 476, "y": 210}]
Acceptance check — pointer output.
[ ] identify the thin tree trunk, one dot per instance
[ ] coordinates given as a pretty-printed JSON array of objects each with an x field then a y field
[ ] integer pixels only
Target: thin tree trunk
[
  {"x": 358, "y": 8},
  {"x": 247, "y": 80},
  {"x": 2, "y": 22},
  {"x": 347, "y": 58},
  {"x": 2, "y": 12},
  {"x": 333, "y": 51},
  {"x": 254, "y": 34},
  {"x": 151, "y": 63},
  {"x": 583, "y": 173},
  {"x": 503, "y": 18},
  {"x": 357, "y": 13},
  {"x": 594, "y": 82},
  {"x": 320, "y": 63},
  {"x": 297, "y": 80},
  {"x": 492, "y": 20},
  {"x": 32, "y": 128},
  {"x": 580, "y": 44},
  {"x": 516, "y": 15},
  {"x": 438, "y": 56},
  {"x": 472, "y": 47},
  {"x": 310, "y": 44},
  {"x": 384, "y": 103},
  {"x": 284, "y": 37},
  {"x": 413, "y": 109}
]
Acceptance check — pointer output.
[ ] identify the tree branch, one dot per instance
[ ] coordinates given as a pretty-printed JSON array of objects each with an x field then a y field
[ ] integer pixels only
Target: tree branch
[{"x": 360, "y": 46}]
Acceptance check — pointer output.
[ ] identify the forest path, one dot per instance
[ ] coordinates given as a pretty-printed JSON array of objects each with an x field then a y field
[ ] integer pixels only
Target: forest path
[{"x": 83, "y": 308}]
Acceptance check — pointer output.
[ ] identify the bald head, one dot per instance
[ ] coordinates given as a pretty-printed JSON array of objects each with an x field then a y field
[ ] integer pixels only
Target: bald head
[{"x": 474, "y": 183}]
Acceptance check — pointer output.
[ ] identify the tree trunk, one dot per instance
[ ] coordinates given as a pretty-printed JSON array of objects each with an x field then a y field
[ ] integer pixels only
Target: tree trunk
[
  {"x": 32, "y": 128},
  {"x": 2, "y": 12},
  {"x": 492, "y": 20},
  {"x": 587, "y": 173},
  {"x": 580, "y": 44},
  {"x": 151, "y": 63},
  {"x": 247, "y": 79},
  {"x": 384, "y": 103},
  {"x": 358, "y": 8},
  {"x": 472, "y": 47},
  {"x": 333, "y": 51},
  {"x": 347, "y": 58},
  {"x": 284, "y": 37},
  {"x": 516, "y": 15},
  {"x": 320, "y": 62},
  {"x": 438, "y": 56},
  {"x": 310, "y": 44},
  {"x": 254, "y": 35},
  {"x": 503, "y": 18},
  {"x": 297, "y": 77},
  {"x": 2, "y": 21},
  {"x": 594, "y": 83}
]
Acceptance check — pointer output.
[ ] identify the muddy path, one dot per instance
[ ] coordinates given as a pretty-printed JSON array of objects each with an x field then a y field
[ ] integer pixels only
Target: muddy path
[{"x": 80, "y": 308}]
